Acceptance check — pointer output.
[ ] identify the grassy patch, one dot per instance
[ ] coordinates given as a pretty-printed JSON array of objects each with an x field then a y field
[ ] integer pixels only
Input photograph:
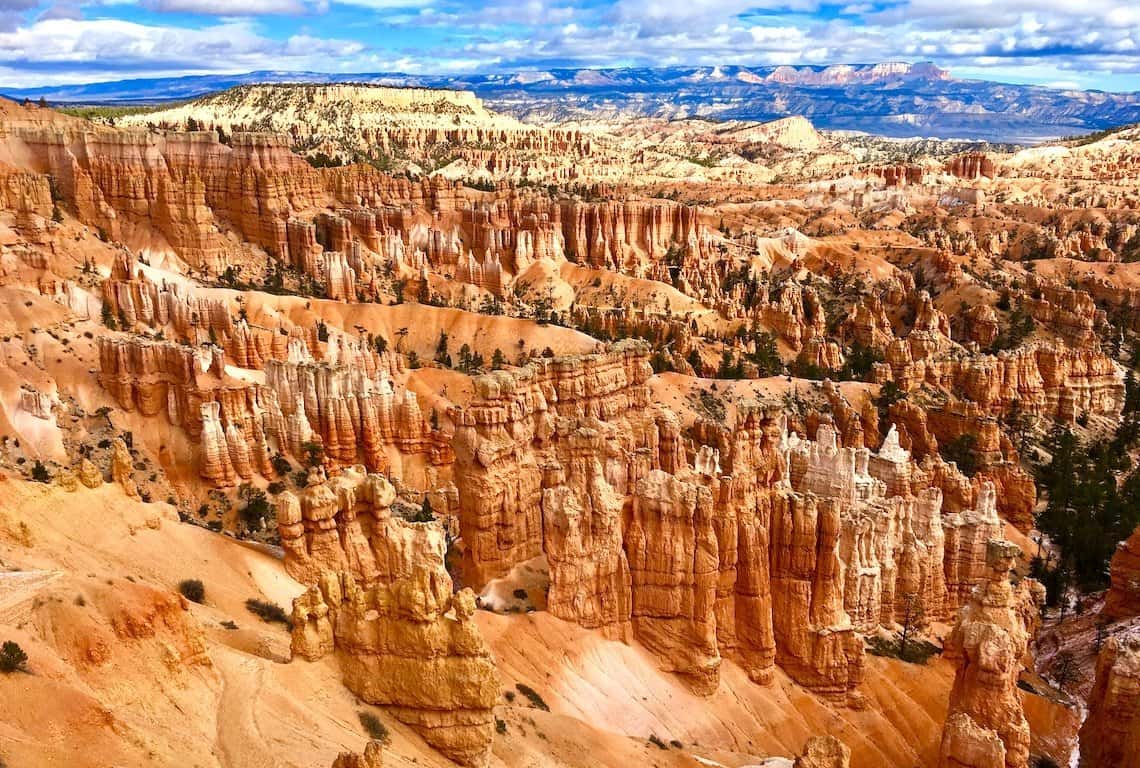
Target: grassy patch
[
  {"x": 268, "y": 612},
  {"x": 917, "y": 651},
  {"x": 376, "y": 729},
  {"x": 532, "y": 696}
]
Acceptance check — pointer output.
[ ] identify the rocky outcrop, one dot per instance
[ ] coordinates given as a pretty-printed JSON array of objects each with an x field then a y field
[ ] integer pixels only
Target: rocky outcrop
[
  {"x": 824, "y": 752},
  {"x": 156, "y": 377},
  {"x": 754, "y": 544},
  {"x": 816, "y": 642},
  {"x": 1067, "y": 311},
  {"x": 971, "y": 165},
  {"x": 899, "y": 175},
  {"x": 354, "y": 413},
  {"x": 1110, "y": 735},
  {"x": 986, "y": 727},
  {"x": 407, "y": 643},
  {"x": 346, "y": 404},
  {"x": 674, "y": 565},
  {"x": 122, "y": 468},
  {"x": 371, "y": 757},
  {"x": 343, "y": 524},
  {"x": 502, "y": 436},
  {"x": 1049, "y": 380},
  {"x": 89, "y": 475},
  {"x": 1123, "y": 597}
]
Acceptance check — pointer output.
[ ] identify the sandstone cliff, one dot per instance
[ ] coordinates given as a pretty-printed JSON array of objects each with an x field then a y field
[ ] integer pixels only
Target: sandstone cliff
[
  {"x": 986, "y": 727},
  {"x": 1110, "y": 735},
  {"x": 405, "y": 641},
  {"x": 1123, "y": 597},
  {"x": 759, "y": 544}
]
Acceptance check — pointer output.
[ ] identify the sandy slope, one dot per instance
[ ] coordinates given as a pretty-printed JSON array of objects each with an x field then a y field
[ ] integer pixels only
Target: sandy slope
[
  {"x": 116, "y": 683},
  {"x": 616, "y": 686},
  {"x": 125, "y": 673}
]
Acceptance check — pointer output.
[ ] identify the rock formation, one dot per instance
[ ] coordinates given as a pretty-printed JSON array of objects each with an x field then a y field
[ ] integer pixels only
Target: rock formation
[
  {"x": 346, "y": 404},
  {"x": 763, "y": 546},
  {"x": 986, "y": 727},
  {"x": 824, "y": 752},
  {"x": 1123, "y": 597},
  {"x": 343, "y": 524},
  {"x": 371, "y": 757},
  {"x": 1110, "y": 735},
  {"x": 407, "y": 643},
  {"x": 971, "y": 165},
  {"x": 1049, "y": 380},
  {"x": 122, "y": 467}
]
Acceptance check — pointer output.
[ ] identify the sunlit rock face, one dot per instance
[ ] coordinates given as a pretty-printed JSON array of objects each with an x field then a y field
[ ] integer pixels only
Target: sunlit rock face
[{"x": 986, "y": 725}]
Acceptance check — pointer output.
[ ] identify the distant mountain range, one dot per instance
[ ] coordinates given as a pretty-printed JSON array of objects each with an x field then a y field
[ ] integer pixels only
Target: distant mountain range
[{"x": 890, "y": 99}]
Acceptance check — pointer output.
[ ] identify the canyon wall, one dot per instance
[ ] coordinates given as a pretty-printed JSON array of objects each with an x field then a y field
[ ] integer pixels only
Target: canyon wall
[
  {"x": 760, "y": 544},
  {"x": 346, "y": 406},
  {"x": 986, "y": 726},
  {"x": 403, "y": 638},
  {"x": 1110, "y": 735},
  {"x": 1123, "y": 597}
]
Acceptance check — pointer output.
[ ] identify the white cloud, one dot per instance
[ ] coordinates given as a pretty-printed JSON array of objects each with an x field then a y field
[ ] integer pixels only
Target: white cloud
[
  {"x": 386, "y": 5},
  {"x": 69, "y": 50},
  {"x": 1046, "y": 40},
  {"x": 228, "y": 7}
]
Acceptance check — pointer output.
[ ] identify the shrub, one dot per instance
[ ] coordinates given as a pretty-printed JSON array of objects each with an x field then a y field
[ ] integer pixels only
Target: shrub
[
  {"x": 376, "y": 729},
  {"x": 962, "y": 450},
  {"x": 657, "y": 742},
  {"x": 424, "y": 514},
  {"x": 268, "y": 612},
  {"x": 314, "y": 453},
  {"x": 520, "y": 594},
  {"x": 500, "y": 726},
  {"x": 257, "y": 507},
  {"x": 40, "y": 473},
  {"x": 532, "y": 696},
  {"x": 281, "y": 465},
  {"x": 193, "y": 590},
  {"x": 12, "y": 657}
]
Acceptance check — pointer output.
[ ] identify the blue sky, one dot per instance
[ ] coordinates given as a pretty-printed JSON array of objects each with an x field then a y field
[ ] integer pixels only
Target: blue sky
[{"x": 1065, "y": 43}]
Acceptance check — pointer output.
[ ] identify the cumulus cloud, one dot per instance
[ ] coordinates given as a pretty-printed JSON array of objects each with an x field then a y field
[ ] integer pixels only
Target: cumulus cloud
[
  {"x": 64, "y": 50},
  {"x": 227, "y": 7},
  {"x": 1040, "y": 40}
]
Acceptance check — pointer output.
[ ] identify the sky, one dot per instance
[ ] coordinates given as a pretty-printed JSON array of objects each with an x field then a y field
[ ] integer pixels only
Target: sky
[{"x": 1089, "y": 44}]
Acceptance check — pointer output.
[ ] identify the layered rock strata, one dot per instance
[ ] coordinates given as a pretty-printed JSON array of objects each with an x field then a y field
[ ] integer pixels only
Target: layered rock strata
[
  {"x": 347, "y": 404},
  {"x": 1110, "y": 735},
  {"x": 402, "y": 638},
  {"x": 1123, "y": 597},
  {"x": 986, "y": 726},
  {"x": 755, "y": 544},
  {"x": 1049, "y": 380}
]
